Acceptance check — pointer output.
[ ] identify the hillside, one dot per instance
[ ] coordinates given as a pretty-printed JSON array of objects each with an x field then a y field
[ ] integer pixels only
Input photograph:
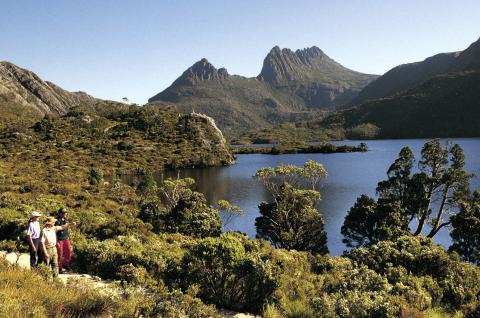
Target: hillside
[
  {"x": 407, "y": 76},
  {"x": 291, "y": 86},
  {"x": 233, "y": 101},
  {"x": 41, "y": 121},
  {"x": 117, "y": 137},
  {"x": 444, "y": 106},
  {"x": 24, "y": 96}
]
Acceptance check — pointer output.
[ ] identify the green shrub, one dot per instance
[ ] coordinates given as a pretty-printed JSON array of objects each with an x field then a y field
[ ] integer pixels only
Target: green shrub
[
  {"x": 458, "y": 281},
  {"x": 230, "y": 273},
  {"x": 193, "y": 216},
  {"x": 106, "y": 258}
]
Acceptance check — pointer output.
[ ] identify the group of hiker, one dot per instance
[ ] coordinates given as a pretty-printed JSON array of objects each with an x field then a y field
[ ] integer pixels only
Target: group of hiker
[{"x": 50, "y": 245}]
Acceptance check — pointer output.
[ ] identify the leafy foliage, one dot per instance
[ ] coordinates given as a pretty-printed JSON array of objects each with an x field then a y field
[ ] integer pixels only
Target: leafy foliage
[
  {"x": 370, "y": 222},
  {"x": 466, "y": 230},
  {"x": 231, "y": 272},
  {"x": 291, "y": 221},
  {"x": 420, "y": 257},
  {"x": 193, "y": 216}
]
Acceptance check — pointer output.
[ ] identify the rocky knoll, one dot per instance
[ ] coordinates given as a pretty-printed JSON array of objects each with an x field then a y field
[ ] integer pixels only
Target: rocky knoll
[
  {"x": 208, "y": 137},
  {"x": 100, "y": 132}
]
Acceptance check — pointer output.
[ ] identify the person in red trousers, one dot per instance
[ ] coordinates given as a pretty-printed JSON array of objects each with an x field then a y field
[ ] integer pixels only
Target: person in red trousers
[{"x": 64, "y": 249}]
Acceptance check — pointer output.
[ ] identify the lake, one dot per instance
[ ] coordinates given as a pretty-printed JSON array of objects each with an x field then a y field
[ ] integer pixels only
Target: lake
[{"x": 350, "y": 175}]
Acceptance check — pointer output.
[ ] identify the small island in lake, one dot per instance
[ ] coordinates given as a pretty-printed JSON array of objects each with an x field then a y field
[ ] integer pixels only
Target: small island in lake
[{"x": 299, "y": 148}]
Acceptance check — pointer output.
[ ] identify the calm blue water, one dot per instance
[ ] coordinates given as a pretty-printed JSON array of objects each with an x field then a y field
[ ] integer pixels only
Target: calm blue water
[{"x": 350, "y": 175}]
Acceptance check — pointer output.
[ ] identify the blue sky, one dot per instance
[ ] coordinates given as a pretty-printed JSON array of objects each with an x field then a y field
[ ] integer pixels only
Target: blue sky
[{"x": 117, "y": 48}]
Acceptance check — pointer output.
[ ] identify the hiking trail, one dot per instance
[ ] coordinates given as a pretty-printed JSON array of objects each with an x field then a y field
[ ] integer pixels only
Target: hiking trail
[{"x": 23, "y": 261}]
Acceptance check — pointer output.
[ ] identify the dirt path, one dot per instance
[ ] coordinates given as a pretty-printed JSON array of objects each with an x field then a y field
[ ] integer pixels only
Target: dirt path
[{"x": 23, "y": 261}]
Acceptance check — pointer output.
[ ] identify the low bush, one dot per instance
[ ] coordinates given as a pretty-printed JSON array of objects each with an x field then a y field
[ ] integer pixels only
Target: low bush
[
  {"x": 231, "y": 272},
  {"x": 446, "y": 279}
]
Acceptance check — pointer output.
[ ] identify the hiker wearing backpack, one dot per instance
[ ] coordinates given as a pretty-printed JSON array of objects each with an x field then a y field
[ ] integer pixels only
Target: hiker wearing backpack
[
  {"x": 63, "y": 242},
  {"x": 34, "y": 234}
]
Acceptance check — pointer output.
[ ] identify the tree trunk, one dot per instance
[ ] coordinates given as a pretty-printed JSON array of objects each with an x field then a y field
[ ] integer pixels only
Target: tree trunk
[
  {"x": 422, "y": 220},
  {"x": 436, "y": 225},
  {"x": 433, "y": 232}
]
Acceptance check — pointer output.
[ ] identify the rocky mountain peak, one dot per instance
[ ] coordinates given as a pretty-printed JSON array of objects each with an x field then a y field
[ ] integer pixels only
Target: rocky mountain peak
[
  {"x": 290, "y": 82},
  {"x": 202, "y": 70},
  {"x": 282, "y": 65},
  {"x": 310, "y": 52}
]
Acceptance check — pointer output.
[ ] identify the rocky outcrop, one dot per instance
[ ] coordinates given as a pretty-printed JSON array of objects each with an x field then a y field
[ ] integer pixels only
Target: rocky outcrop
[
  {"x": 209, "y": 137},
  {"x": 26, "y": 90}
]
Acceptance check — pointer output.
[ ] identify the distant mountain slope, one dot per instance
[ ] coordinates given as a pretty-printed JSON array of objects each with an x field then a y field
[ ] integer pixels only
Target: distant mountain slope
[
  {"x": 288, "y": 88},
  {"x": 408, "y": 76},
  {"x": 313, "y": 76},
  {"x": 24, "y": 94},
  {"x": 444, "y": 106}
]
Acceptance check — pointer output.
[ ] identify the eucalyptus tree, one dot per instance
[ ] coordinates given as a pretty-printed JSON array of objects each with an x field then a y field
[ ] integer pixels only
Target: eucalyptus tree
[
  {"x": 292, "y": 221},
  {"x": 430, "y": 196},
  {"x": 371, "y": 221}
]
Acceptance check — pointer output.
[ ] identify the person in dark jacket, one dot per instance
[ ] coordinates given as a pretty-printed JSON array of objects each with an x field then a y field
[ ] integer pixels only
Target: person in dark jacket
[{"x": 64, "y": 249}]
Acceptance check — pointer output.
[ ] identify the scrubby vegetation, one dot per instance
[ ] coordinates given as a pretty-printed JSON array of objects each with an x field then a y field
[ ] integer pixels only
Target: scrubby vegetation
[
  {"x": 110, "y": 136},
  {"x": 292, "y": 221},
  {"x": 31, "y": 294},
  {"x": 163, "y": 243}
]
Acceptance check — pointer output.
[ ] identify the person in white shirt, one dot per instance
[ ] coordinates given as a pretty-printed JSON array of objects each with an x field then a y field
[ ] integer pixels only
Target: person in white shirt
[
  {"x": 49, "y": 243},
  {"x": 33, "y": 233}
]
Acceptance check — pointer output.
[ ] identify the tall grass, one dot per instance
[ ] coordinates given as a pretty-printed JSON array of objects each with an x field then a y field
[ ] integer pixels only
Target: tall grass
[{"x": 25, "y": 293}]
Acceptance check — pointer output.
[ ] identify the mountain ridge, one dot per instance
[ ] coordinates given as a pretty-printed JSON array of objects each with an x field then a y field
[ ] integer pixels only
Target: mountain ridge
[
  {"x": 407, "y": 76},
  {"x": 445, "y": 105},
  {"x": 31, "y": 91},
  {"x": 290, "y": 85}
]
